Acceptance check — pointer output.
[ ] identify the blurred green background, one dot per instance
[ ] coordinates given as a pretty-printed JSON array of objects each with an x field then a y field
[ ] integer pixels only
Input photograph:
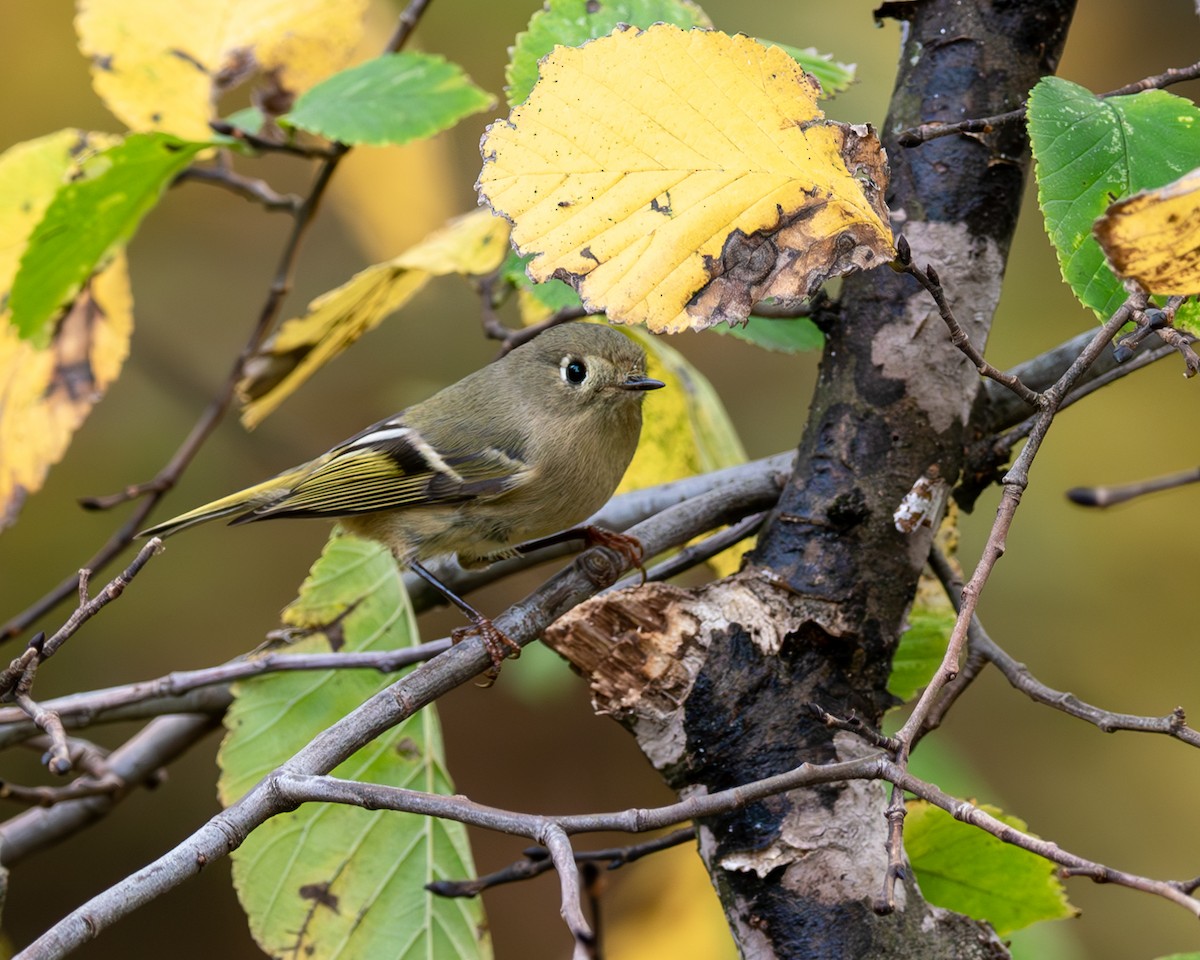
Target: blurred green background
[{"x": 1099, "y": 604}]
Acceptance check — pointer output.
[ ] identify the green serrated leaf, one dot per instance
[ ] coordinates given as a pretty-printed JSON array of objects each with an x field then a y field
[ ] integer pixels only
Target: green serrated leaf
[
  {"x": 537, "y": 300},
  {"x": 569, "y": 23},
  {"x": 394, "y": 99},
  {"x": 834, "y": 76},
  {"x": 335, "y": 880},
  {"x": 791, "y": 335},
  {"x": 89, "y": 220},
  {"x": 964, "y": 869},
  {"x": 1091, "y": 151},
  {"x": 920, "y": 651}
]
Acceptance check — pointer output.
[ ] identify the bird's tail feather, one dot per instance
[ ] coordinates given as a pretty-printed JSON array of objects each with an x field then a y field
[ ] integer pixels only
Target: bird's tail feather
[{"x": 236, "y": 505}]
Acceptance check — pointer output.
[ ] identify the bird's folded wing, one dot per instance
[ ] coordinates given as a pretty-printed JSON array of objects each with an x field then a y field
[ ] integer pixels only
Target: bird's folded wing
[{"x": 392, "y": 467}]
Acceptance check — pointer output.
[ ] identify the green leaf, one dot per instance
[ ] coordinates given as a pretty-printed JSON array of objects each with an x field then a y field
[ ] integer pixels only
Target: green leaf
[
  {"x": 569, "y": 23},
  {"x": 89, "y": 220},
  {"x": 538, "y": 300},
  {"x": 964, "y": 869},
  {"x": 834, "y": 76},
  {"x": 1092, "y": 151},
  {"x": 250, "y": 120},
  {"x": 920, "y": 650},
  {"x": 792, "y": 335},
  {"x": 1193, "y": 955},
  {"x": 393, "y": 99},
  {"x": 332, "y": 879}
]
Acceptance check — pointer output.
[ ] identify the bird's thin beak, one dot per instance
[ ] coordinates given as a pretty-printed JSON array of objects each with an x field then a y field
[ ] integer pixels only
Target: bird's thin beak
[{"x": 639, "y": 382}]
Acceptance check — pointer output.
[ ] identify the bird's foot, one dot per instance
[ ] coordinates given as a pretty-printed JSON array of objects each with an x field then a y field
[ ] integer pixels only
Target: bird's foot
[
  {"x": 498, "y": 644},
  {"x": 629, "y": 548}
]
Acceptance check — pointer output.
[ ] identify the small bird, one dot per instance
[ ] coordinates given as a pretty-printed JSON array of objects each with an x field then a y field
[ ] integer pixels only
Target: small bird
[{"x": 526, "y": 447}]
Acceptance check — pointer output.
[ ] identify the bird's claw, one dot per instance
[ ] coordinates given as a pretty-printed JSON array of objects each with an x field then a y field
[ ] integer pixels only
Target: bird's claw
[
  {"x": 629, "y": 548},
  {"x": 497, "y": 644}
]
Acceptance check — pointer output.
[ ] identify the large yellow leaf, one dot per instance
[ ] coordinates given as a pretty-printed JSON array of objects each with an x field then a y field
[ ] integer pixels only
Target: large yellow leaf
[
  {"x": 677, "y": 177},
  {"x": 45, "y": 394},
  {"x": 471, "y": 244},
  {"x": 162, "y": 66},
  {"x": 1153, "y": 237}
]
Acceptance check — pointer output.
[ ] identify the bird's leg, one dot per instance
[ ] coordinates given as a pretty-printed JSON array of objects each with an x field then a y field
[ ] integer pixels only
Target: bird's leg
[
  {"x": 497, "y": 644},
  {"x": 629, "y": 548}
]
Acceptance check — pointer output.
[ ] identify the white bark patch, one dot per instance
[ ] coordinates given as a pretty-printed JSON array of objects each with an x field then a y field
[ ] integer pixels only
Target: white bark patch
[
  {"x": 830, "y": 856},
  {"x": 970, "y": 268}
]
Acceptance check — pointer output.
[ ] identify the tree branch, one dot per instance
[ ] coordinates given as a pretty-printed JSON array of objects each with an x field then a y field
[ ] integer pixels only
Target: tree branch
[
  {"x": 915, "y": 136},
  {"x": 522, "y": 623}
]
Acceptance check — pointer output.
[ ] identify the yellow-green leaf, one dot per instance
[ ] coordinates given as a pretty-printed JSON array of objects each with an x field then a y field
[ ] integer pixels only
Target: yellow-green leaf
[
  {"x": 331, "y": 880},
  {"x": 685, "y": 429},
  {"x": 48, "y": 391},
  {"x": 89, "y": 220},
  {"x": 920, "y": 650},
  {"x": 965, "y": 869},
  {"x": 163, "y": 66},
  {"x": 677, "y": 177},
  {"x": 472, "y": 244}
]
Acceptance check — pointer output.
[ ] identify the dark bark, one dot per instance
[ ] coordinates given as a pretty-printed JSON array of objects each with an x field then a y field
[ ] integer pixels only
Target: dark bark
[{"x": 816, "y": 613}]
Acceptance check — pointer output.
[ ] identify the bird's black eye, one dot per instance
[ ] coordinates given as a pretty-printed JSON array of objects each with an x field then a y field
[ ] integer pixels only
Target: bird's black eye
[{"x": 573, "y": 370}]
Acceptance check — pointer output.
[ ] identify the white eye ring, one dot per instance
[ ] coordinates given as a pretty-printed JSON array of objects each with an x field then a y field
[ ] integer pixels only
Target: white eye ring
[{"x": 573, "y": 370}]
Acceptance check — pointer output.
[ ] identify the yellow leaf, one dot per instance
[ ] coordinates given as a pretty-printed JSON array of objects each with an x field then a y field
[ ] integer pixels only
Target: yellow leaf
[
  {"x": 471, "y": 244},
  {"x": 45, "y": 394},
  {"x": 677, "y": 177},
  {"x": 1153, "y": 237},
  {"x": 667, "y": 910},
  {"x": 163, "y": 66},
  {"x": 685, "y": 430}
]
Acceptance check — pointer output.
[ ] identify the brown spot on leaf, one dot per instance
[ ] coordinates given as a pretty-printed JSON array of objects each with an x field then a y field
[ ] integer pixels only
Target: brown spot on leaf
[
  {"x": 408, "y": 749},
  {"x": 320, "y": 894}
]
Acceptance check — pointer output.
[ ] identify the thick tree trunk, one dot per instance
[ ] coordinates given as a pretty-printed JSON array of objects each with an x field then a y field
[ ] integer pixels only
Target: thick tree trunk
[{"x": 715, "y": 682}]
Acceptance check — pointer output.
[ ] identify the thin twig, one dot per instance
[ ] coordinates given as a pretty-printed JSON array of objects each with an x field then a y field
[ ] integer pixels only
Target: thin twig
[
  {"x": 517, "y": 337},
  {"x": 928, "y": 278},
  {"x": 558, "y": 845},
  {"x": 915, "y": 136},
  {"x": 58, "y": 756},
  {"x": 1014, "y": 484},
  {"x": 19, "y": 673},
  {"x": 49, "y": 796},
  {"x": 86, "y": 708},
  {"x": 700, "y": 552},
  {"x": 1109, "y": 496},
  {"x": 17, "y": 679},
  {"x": 537, "y": 861},
  {"x": 854, "y": 724},
  {"x": 251, "y": 188},
  {"x": 1173, "y": 724},
  {"x": 136, "y": 762},
  {"x": 895, "y": 870}
]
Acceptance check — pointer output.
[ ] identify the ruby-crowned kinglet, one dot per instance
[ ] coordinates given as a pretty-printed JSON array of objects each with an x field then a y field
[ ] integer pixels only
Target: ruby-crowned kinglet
[{"x": 528, "y": 446}]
